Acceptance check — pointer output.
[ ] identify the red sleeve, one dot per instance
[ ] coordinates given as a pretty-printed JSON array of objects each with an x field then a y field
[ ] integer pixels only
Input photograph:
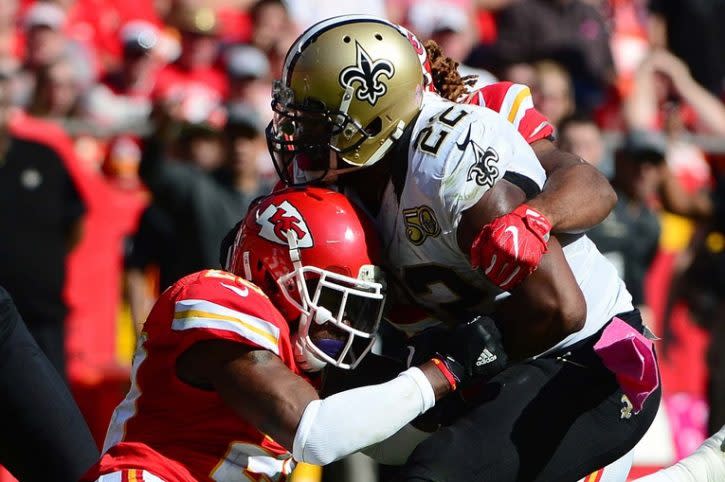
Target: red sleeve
[
  {"x": 491, "y": 95},
  {"x": 215, "y": 304},
  {"x": 514, "y": 102},
  {"x": 534, "y": 126}
]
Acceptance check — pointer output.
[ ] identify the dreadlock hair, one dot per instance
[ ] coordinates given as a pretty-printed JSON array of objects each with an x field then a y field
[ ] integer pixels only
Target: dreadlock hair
[{"x": 446, "y": 79}]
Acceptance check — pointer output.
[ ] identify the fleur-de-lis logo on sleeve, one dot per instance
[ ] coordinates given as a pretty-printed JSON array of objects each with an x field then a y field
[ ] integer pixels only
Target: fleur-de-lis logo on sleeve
[
  {"x": 367, "y": 72},
  {"x": 484, "y": 170}
]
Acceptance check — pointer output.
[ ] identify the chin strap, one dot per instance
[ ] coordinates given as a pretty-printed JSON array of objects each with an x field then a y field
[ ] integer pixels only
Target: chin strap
[
  {"x": 304, "y": 358},
  {"x": 294, "y": 252}
]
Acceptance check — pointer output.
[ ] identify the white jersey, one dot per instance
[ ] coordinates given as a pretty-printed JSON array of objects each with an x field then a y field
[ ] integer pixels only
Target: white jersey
[{"x": 456, "y": 154}]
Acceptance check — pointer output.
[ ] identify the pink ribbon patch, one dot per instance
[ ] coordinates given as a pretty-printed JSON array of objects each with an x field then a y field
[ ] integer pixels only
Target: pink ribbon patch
[{"x": 630, "y": 356}]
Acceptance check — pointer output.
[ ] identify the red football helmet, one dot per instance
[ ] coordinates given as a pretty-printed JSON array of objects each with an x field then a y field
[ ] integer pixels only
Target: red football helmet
[{"x": 316, "y": 256}]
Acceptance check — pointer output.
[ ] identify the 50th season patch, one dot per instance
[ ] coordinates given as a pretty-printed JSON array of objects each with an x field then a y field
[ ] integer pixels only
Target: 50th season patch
[{"x": 420, "y": 224}]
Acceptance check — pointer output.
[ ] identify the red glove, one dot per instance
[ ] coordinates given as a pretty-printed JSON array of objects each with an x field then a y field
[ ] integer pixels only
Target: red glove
[{"x": 510, "y": 247}]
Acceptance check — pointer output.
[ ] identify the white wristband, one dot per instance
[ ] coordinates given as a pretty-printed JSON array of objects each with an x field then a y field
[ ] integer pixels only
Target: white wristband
[{"x": 426, "y": 389}]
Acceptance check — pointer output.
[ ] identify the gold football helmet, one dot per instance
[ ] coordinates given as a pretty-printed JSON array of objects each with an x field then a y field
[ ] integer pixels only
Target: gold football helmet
[{"x": 350, "y": 86}]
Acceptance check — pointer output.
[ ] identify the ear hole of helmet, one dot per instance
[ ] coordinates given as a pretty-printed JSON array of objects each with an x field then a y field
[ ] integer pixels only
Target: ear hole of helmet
[
  {"x": 273, "y": 290},
  {"x": 313, "y": 105},
  {"x": 270, "y": 286},
  {"x": 374, "y": 127}
]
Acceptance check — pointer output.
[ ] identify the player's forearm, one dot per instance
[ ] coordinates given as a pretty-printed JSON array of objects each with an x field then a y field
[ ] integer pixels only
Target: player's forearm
[
  {"x": 544, "y": 309},
  {"x": 349, "y": 421},
  {"x": 576, "y": 195},
  {"x": 268, "y": 395}
]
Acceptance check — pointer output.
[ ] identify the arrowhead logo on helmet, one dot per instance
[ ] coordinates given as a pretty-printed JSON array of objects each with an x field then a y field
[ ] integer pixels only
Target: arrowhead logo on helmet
[
  {"x": 367, "y": 72},
  {"x": 276, "y": 221}
]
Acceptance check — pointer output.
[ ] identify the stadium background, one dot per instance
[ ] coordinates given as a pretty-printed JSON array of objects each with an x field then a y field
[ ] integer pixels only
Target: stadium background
[{"x": 102, "y": 116}]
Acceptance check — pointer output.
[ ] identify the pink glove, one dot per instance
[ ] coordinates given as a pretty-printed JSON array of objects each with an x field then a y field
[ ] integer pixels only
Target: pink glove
[{"x": 510, "y": 247}]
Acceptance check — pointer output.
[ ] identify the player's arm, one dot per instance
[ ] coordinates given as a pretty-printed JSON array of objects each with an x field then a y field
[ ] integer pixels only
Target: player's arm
[
  {"x": 261, "y": 389},
  {"x": 544, "y": 309},
  {"x": 548, "y": 305},
  {"x": 576, "y": 195}
]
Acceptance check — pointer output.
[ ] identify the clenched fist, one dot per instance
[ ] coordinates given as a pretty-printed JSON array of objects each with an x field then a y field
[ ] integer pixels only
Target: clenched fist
[{"x": 510, "y": 247}]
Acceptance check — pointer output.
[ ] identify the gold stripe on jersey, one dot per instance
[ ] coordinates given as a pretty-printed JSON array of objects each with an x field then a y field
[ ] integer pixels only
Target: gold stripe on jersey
[
  {"x": 205, "y": 314},
  {"x": 190, "y": 314},
  {"x": 595, "y": 476},
  {"x": 523, "y": 93}
]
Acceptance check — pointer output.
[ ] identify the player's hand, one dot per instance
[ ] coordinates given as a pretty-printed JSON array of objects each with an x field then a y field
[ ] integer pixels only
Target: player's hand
[
  {"x": 474, "y": 350},
  {"x": 510, "y": 247},
  {"x": 424, "y": 345},
  {"x": 471, "y": 350},
  {"x": 471, "y": 353}
]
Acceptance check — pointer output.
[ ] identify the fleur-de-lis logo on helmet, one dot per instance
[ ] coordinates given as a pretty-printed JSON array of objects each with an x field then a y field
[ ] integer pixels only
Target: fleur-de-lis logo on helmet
[{"x": 367, "y": 72}]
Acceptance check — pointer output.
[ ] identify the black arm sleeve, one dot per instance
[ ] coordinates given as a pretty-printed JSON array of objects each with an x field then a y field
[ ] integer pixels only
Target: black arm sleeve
[
  {"x": 528, "y": 185},
  {"x": 44, "y": 436}
]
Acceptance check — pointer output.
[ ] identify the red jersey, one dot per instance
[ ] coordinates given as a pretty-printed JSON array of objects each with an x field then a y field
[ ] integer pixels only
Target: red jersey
[
  {"x": 181, "y": 433},
  {"x": 514, "y": 102}
]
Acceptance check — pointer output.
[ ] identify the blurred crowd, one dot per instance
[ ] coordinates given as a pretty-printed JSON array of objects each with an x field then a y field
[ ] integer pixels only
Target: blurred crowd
[{"x": 132, "y": 138}]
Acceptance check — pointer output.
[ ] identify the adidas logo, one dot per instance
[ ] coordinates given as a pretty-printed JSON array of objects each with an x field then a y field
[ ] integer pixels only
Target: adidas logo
[{"x": 485, "y": 358}]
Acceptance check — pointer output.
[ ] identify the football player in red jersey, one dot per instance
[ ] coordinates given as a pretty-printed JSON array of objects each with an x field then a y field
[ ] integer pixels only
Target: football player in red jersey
[{"x": 223, "y": 380}]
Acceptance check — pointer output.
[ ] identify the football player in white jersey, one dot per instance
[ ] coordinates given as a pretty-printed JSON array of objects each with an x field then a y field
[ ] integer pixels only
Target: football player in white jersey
[
  {"x": 351, "y": 108},
  {"x": 571, "y": 182}
]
